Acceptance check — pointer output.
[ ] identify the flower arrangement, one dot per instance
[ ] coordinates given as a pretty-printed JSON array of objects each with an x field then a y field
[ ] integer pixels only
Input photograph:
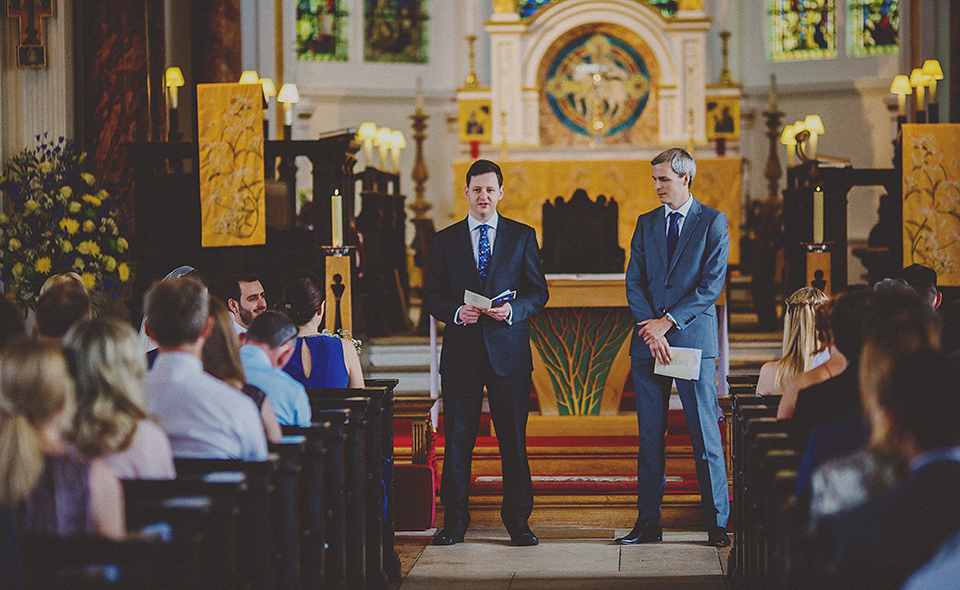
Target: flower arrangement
[
  {"x": 345, "y": 334},
  {"x": 59, "y": 221}
]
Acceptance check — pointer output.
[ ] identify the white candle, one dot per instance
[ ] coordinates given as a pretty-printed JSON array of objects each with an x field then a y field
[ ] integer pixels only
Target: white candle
[
  {"x": 173, "y": 97},
  {"x": 470, "y": 11},
  {"x": 336, "y": 213},
  {"x": 818, "y": 216},
  {"x": 288, "y": 113}
]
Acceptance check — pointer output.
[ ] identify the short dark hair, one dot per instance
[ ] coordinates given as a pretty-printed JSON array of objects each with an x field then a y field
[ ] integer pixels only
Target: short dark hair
[
  {"x": 301, "y": 297},
  {"x": 60, "y": 307},
  {"x": 923, "y": 279},
  {"x": 922, "y": 395},
  {"x": 176, "y": 311},
  {"x": 11, "y": 321},
  {"x": 680, "y": 162},
  {"x": 483, "y": 167},
  {"x": 848, "y": 317},
  {"x": 271, "y": 328}
]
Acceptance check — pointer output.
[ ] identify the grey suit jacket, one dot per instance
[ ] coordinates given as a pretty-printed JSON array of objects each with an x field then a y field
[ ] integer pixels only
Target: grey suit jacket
[
  {"x": 514, "y": 264},
  {"x": 688, "y": 286}
]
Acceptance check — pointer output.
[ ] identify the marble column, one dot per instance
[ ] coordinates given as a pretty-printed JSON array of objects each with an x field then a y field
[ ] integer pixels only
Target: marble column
[
  {"x": 215, "y": 41},
  {"x": 120, "y": 88}
]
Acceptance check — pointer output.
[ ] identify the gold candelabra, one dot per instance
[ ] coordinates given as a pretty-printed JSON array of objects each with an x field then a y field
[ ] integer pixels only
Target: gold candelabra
[
  {"x": 471, "y": 81},
  {"x": 419, "y": 206},
  {"x": 725, "y": 77}
]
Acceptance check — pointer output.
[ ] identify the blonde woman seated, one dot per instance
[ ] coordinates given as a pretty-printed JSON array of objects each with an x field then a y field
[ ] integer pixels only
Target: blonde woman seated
[
  {"x": 221, "y": 358},
  {"x": 111, "y": 420},
  {"x": 51, "y": 487},
  {"x": 317, "y": 360},
  {"x": 801, "y": 342}
]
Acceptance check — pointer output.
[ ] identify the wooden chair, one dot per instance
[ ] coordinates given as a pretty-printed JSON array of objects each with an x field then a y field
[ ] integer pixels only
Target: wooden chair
[{"x": 581, "y": 236}]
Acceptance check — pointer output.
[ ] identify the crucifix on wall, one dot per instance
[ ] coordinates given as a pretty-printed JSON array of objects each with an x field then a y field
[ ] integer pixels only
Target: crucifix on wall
[{"x": 31, "y": 52}]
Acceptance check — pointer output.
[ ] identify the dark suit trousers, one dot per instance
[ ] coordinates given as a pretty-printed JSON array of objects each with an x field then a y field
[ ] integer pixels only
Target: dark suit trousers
[
  {"x": 702, "y": 411},
  {"x": 509, "y": 399}
]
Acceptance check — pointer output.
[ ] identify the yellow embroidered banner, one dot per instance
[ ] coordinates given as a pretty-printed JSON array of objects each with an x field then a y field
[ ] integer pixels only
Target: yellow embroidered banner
[
  {"x": 232, "y": 207},
  {"x": 528, "y": 184}
]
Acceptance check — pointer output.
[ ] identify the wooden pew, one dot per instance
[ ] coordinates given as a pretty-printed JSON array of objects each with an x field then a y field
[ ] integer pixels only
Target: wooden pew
[
  {"x": 82, "y": 562},
  {"x": 290, "y": 453},
  {"x": 390, "y": 560},
  {"x": 256, "y": 554}
]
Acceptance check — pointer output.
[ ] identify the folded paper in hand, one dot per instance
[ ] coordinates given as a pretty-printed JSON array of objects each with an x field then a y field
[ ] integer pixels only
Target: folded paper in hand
[
  {"x": 685, "y": 364},
  {"x": 479, "y": 301}
]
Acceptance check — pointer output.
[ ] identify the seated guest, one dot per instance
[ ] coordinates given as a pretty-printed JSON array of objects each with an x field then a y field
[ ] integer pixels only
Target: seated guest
[
  {"x": 317, "y": 360},
  {"x": 880, "y": 543},
  {"x": 839, "y": 394},
  {"x": 269, "y": 344},
  {"x": 111, "y": 422},
  {"x": 802, "y": 348},
  {"x": 899, "y": 323},
  {"x": 245, "y": 298},
  {"x": 60, "y": 307},
  {"x": 942, "y": 571},
  {"x": 221, "y": 358},
  {"x": 148, "y": 343},
  {"x": 950, "y": 314},
  {"x": 52, "y": 488},
  {"x": 203, "y": 416},
  {"x": 923, "y": 280}
]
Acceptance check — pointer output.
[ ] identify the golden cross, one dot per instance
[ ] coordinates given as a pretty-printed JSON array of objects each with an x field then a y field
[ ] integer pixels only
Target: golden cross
[{"x": 31, "y": 52}]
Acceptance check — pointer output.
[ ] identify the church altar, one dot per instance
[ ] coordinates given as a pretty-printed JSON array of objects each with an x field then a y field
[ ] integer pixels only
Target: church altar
[{"x": 528, "y": 184}]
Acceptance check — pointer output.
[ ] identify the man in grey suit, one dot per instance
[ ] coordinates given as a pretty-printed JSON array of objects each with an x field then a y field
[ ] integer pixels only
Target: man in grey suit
[
  {"x": 678, "y": 264},
  {"x": 487, "y": 254}
]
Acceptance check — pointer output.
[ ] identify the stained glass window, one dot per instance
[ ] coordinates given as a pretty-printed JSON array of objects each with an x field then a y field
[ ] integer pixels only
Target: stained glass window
[
  {"x": 527, "y": 7},
  {"x": 803, "y": 29},
  {"x": 874, "y": 27},
  {"x": 395, "y": 31},
  {"x": 321, "y": 30}
]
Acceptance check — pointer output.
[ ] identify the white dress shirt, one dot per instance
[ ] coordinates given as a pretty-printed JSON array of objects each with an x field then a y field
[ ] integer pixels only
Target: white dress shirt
[
  {"x": 683, "y": 210},
  {"x": 472, "y": 225},
  {"x": 203, "y": 416}
]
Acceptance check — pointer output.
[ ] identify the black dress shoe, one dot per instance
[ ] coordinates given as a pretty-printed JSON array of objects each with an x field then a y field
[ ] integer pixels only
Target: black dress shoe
[
  {"x": 718, "y": 537},
  {"x": 645, "y": 531},
  {"x": 524, "y": 538},
  {"x": 445, "y": 537}
]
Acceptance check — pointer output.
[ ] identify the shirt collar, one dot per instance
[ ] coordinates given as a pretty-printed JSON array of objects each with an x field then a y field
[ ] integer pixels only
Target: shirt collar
[
  {"x": 473, "y": 224},
  {"x": 683, "y": 210}
]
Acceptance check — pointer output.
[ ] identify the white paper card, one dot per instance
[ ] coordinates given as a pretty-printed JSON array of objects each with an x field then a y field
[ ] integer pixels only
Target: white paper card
[
  {"x": 685, "y": 364},
  {"x": 481, "y": 302}
]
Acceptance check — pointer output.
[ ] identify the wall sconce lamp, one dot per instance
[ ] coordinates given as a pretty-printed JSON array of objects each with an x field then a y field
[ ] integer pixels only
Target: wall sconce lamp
[
  {"x": 931, "y": 69},
  {"x": 919, "y": 81},
  {"x": 901, "y": 87},
  {"x": 397, "y": 143},
  {"x": 288, "y": 96},
  {"x": 249, "y": 77},
  {"x": 788, "y": 138},
  {"x": 814, "y": 125},
  {"x": 173, "y": 80},
  {"x": 383, "y": 141}
]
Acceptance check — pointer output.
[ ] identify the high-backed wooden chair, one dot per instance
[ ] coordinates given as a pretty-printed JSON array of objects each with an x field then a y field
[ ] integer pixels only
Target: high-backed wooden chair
[{"x": 581, "y": 236}]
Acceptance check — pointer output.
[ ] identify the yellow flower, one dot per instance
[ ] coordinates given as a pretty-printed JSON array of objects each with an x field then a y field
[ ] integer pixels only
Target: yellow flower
[
  {"x": 17, "y": 270},
  {"x": 92, "y": 200},
  {"x": 109, "y": 263},
  {"x": 123, "y": 272},
  {"x": 14, "y": 244},
  {"x": 4, "y": 219},
  {"x": 43, "y": 265},
  {"x": 102, "y": 194},
  {"x": 121, "y": 244},
  {"x": 88, "y": 178},
  {"x": 73, "y": 207},
  {"x": 70, "y": 225},
  {"x": 83, "y": 248},
  {"x": 88, "y": 226},
  {"x": 31, "y": 206},
  {"x": 66, "y": 192},
  {"x": 93, "y": 248},
  {"x": 78, "y": 264},
  {"x": 46, "y": 167},
  {"x": 89, "y": 280},
  {"x": 66, "y": 246}
]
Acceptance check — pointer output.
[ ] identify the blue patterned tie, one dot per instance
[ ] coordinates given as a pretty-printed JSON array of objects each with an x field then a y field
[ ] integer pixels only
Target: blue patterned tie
[
  {"x": 483, "y": 251},
  {"x": 673, "y": 234}
]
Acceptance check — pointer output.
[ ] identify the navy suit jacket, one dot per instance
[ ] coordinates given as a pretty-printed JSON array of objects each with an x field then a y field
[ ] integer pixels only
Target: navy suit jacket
[
  {"x": 688, "y": 287},
  {"x": 514, "y": 264}
]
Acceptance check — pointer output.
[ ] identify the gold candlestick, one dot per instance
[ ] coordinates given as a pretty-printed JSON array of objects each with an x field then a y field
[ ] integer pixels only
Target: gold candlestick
[
  {"x": 419, "y": 206},
  {"x": 725, "y": 77},
  {"x": 471, "y": 81}
]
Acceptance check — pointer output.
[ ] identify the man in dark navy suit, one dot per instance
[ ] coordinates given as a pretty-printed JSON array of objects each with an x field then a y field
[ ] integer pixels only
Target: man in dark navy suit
[
  {"x": 678, "y": 265},
  {"x": 488, "y": 255}
]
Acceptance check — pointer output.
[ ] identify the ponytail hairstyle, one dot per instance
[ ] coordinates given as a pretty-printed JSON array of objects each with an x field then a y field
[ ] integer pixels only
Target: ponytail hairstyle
[
  {"x": 221, "y": 351},
  {"x": 302, "y": 297},
  {"x": 800, "y": 334},
  {"x": 110, "y": 367},
  {"x": 35, "y": 384}
]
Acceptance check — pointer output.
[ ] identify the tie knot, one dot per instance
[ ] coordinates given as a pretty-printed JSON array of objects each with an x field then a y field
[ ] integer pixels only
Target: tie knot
[
  {"x": 674, "y": 216},
  {"x": 483, "y": 227}
]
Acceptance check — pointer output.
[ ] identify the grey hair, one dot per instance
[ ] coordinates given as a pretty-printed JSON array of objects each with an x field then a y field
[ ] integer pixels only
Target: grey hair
[{"x": 680, "y": 162}]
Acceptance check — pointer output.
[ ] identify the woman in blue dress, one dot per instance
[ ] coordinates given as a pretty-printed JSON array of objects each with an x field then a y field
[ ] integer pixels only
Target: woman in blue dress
[{"x": 317, "y": 360}]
